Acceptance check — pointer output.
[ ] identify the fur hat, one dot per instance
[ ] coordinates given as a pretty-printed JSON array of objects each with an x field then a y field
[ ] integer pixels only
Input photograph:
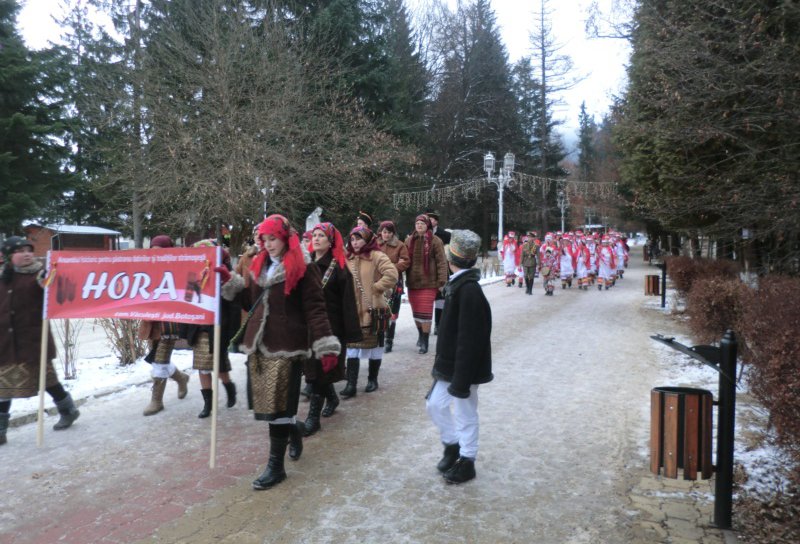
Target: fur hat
[
  {"x": 463, "y": 248},
  {"x": 13, "y": 243}
]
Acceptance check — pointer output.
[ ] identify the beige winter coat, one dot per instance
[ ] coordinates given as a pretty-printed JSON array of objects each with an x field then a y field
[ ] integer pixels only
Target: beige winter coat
[{"x": 376, "y": 275}]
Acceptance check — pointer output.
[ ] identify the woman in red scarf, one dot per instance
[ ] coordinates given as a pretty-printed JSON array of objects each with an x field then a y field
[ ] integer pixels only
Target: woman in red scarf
[
  {"x": 373, "y": 275},
  {"x": 327, "y": 249},
  {"x": 426, "y": 275},
  {"x": 288, "y": 324}
]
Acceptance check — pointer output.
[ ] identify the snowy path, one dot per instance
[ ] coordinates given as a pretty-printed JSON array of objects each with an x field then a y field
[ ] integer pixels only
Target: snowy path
[{"x": 565, "y": 414}]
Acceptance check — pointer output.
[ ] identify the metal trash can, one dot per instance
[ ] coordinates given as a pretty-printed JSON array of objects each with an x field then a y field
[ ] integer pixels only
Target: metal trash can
[{"x": 680, "y": 432}]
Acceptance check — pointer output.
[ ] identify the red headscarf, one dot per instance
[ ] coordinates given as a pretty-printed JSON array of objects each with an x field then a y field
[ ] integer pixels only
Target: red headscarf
[
  {"x": 428, "y": 241},
  {"x": 293, "y": 261},
  {"x": 366, "y": 235},
  {"x": 335, "y": 238}
]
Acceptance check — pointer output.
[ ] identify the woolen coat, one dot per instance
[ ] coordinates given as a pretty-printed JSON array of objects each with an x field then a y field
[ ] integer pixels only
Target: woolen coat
[
  {"x": 376, "y": 275},
  {"x": 340, "y": 302},
  {"x": 21, "y": 303},
  {"x": 463, "y": 348},
  {"x": 284, "y": 325},
  {"x": 416, "y": 278},
  {"x": 397, "y": 252}
]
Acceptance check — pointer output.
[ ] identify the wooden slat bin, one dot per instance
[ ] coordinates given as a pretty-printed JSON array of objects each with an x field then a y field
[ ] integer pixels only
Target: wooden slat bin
[
  {"x": 652, "y": 285},
  {"x": 680, "y": 432}
]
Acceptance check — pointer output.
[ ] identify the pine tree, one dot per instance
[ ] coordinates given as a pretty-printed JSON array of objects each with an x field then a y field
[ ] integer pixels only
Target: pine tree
[
  {"x": 587, "y": 130},
  {"x": 32, "y": 152}
]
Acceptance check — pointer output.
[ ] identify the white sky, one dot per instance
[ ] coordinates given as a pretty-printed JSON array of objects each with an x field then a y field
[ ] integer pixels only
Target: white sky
[{"x": 602, "y": 62}]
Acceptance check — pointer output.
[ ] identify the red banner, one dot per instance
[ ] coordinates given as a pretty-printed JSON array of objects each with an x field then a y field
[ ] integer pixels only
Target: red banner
[{"x": 175, "y": 284}]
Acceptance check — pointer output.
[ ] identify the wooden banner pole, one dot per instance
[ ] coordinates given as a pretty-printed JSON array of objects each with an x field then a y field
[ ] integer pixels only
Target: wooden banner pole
[
  {"x": 42, "y": 376},
  {"x": 215, "y": 395}
]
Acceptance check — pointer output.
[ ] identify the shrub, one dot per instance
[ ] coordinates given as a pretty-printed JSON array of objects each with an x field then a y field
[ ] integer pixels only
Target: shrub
[
  {"x": 770, "y": 315},
  {"x": 684, "y": 271},
  {"x": 123, "y": 336},
  {"x": 714, "y": 305}
]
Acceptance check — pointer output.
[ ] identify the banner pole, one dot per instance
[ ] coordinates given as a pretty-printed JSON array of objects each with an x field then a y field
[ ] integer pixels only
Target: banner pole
[
  {"x": 42, "y": 373},
  {"x": 215, "y": 395}
]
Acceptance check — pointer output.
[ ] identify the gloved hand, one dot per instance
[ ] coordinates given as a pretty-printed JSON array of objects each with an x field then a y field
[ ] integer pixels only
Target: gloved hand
[
  {"x": 329, "y": 362},
  {"x": 224, "y": 274}
]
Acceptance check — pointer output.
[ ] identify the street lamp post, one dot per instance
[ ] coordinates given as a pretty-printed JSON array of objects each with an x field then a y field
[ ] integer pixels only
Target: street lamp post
[
  {"x": 502, "y": 181},
  {"x": 563, "y": 203}
]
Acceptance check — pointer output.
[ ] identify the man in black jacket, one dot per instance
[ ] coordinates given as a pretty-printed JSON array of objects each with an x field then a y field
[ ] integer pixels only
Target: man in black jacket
[{"x": 463, "y": 360}]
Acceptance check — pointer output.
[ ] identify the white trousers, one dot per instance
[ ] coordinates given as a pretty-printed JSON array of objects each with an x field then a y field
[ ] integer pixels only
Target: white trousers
[
  {"x": 162, "y": 370},
  {"x": 362, "y": 353},
  {"x": 456, "y": 418}
]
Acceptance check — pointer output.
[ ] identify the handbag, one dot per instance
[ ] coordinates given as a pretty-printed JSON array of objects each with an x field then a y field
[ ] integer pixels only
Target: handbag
[
  {"x": 380, "y": 319},
  {"x": 545, "y": 271}
]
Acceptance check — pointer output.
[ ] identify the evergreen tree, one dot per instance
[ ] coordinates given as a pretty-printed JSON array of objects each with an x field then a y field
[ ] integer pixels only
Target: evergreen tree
[
  {"x": 587, "y": 130},
  {"x": 707, "y": 125},
  {"x": 406, "y": 79},
  {"x": 555, "y": 75},
  {"x": 32, "y": 153},
  {"x": 474, "y": 109}
]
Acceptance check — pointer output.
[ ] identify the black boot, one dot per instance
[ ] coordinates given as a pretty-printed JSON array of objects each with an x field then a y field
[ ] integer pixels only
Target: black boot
[
  {"x": 274, "y": 473},
  {"x": 4, "y": 417},
  {"x": 352, "y": 379},
  {"x": 419, "y": 336},
  {"x": 207, "y": 399},
  {"x": 437, "y": 315},
  {"x": 449, "y": 458},
  {"x": 331, "y": 401},
  {"x": 306, "y": 391},
  {"x": 423, "y": 348},
  {"x": 68, "y": 412},
  {"x": 462, "y": 471},
  {"x": 372, "y": 378},
  {"x": 230, "y": 389},
  {"x": 312, "y": 420},
  {"x": 390, "y": 338},
  {"x": 296, "y": 430}
]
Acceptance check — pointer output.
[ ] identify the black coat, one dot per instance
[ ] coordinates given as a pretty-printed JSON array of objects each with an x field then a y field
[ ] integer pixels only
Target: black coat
[
  {"x": 230, "y": 318},
  {"x": 463, "y": 349},
  {"x": 340, "y": 303},
  {"x": 443, "y": 235}
]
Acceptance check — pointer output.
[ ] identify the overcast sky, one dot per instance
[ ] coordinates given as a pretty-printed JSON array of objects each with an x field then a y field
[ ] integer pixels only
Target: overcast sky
[{"x": 602, "y": 62}]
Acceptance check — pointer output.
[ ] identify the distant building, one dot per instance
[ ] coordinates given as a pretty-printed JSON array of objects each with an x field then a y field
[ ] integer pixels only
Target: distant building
[{"x": 73, "y": 237}]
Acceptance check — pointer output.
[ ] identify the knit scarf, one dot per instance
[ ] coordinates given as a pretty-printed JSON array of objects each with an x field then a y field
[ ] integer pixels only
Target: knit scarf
[{"x": 426, "y": 248}]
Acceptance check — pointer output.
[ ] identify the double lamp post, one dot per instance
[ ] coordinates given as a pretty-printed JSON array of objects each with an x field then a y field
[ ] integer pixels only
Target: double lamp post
[{"x": 502, "y": 180}]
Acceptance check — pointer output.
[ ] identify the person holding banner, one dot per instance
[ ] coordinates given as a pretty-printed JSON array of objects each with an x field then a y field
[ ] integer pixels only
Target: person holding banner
[
  {"x": 162, "y": 337},
  {"x": 340, "y": 301},
  {"x": 21, "y": 303},
  {"x": 200, "y": 339},
  {"x": 288, "y": 324}
]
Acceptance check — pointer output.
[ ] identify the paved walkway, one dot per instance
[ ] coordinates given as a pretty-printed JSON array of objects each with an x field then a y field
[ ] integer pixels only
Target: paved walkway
[{"x": 117, "y": 477}]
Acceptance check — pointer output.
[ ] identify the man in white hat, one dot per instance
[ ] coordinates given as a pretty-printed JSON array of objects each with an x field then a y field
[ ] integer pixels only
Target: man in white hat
[{"x": 463, "y": 360}]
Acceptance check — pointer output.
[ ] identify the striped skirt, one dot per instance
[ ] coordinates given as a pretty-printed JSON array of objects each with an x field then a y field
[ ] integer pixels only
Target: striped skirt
[
  {"x": 421, "y": 301},
  {"x": 203, "y": 355}
]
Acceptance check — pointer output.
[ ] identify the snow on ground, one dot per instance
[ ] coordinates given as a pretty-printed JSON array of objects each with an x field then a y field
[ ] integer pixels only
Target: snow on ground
[{"x": 755, "y": 450}]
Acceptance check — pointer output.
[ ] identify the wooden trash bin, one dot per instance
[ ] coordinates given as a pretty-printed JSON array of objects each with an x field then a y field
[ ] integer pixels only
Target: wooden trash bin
[
  {"x": 680, "y": 432},
  {"x": 652, "y": 285}
]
